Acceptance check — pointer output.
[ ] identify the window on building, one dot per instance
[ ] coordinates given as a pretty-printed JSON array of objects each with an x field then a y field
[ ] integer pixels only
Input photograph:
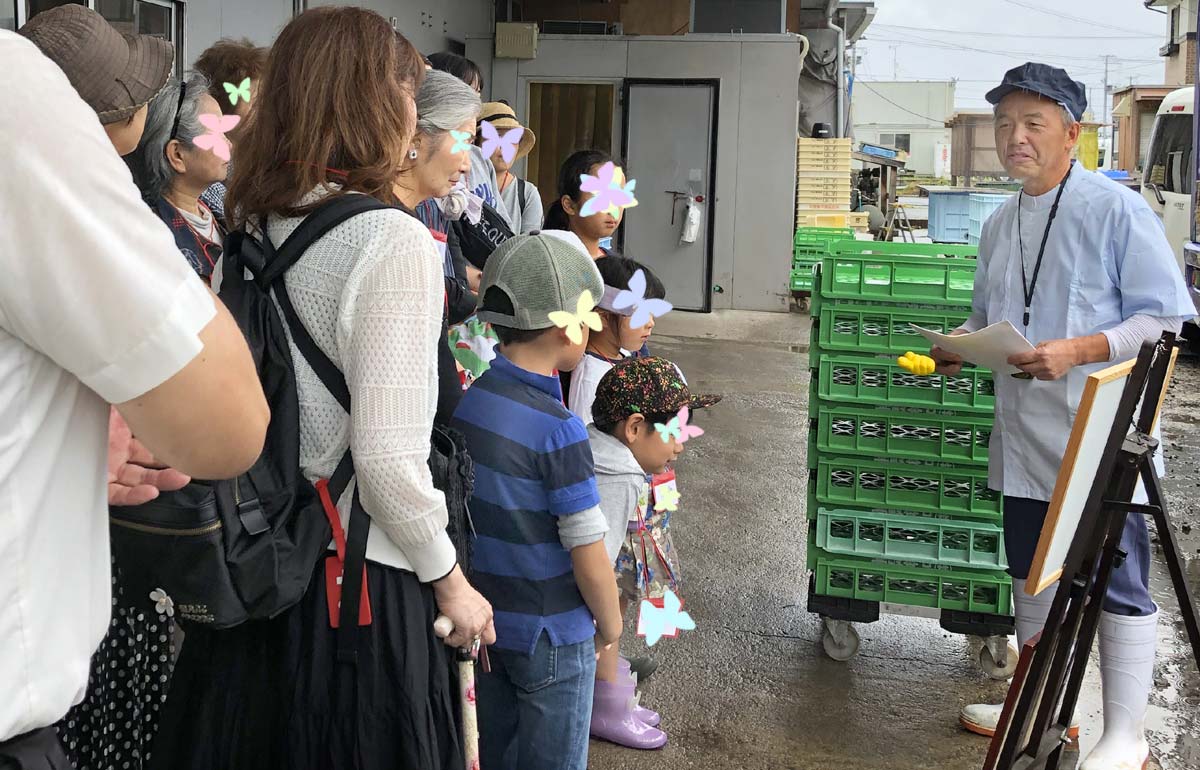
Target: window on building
[
  {"x": 37, "y": 6},
  {"x": 8, "y": 15},
  {"x": 1174, "y": 31},
  {"x": 896, "y": 141},
  {"x": 1170, "y": 159},
  {"x": 160, "y": 18}
]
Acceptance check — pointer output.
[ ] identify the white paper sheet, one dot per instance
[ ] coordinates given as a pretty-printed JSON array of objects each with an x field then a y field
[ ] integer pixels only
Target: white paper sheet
[{"x": 989, "y": 347}]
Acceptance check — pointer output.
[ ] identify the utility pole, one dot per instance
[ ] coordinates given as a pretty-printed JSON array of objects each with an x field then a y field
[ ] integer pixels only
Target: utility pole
[
  {"x": 895, "y": 62},
  {"x": 1104, "y": 123}
]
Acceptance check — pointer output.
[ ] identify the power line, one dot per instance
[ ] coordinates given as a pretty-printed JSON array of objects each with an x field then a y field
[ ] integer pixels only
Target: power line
[
  {"x": 920, "y": 42},
  {"x": 1017, "y": 34},
  {"x": 1068, "y": 17},
  {"x": 900, "y": 106}
]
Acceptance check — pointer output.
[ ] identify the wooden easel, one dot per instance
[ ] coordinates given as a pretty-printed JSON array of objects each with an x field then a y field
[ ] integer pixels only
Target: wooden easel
[{"x": 1045, "y": 689}]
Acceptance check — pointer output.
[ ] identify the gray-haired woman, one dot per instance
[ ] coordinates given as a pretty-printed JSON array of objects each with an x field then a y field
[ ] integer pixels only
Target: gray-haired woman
[
  {"x": 172, "y": 171},
  {"x": 435, "y": 163}
]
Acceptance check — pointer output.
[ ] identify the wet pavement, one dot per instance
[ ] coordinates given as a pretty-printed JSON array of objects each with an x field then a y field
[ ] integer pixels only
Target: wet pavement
[{"x": 750, "y": 687}]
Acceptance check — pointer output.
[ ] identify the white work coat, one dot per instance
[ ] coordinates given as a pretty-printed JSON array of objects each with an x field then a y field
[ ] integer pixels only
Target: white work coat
[{"x": 1107, "y": 259}]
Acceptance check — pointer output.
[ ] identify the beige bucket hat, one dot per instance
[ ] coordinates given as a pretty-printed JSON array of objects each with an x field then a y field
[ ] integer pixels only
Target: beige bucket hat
[{"x": 502, "y": 117}]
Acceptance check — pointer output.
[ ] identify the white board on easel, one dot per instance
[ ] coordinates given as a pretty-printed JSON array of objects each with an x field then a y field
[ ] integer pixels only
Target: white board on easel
[{"x": 1085, "y": 448}]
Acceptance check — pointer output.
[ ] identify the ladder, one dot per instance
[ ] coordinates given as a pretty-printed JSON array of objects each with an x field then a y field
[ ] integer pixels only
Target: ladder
[{"x": 897, "y": 220}]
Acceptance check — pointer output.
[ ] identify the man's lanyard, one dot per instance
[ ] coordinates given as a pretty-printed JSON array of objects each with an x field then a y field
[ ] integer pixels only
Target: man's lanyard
[{"x": 1026, "y": 285}]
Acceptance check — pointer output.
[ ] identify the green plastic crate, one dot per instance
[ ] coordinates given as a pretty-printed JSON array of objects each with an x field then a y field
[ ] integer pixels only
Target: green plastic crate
[
  {"x": 843, "y": 248},
  {"x": 802, "y": 278},
  {"x": 865, "y": 328},
  {"x": 902, "y": 435},
  {"x": 822, "y": 236},
  {"x": 904, "y": 537},
  {"x": 882, "y": 382},
  {"x": 899, "y": 279},
  {"x": 925, "y": 488},
  {"x": 944, "y": 589}
]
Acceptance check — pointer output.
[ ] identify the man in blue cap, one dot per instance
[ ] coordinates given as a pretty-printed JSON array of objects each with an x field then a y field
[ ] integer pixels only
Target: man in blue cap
[{"x": 1081, "y": 266}]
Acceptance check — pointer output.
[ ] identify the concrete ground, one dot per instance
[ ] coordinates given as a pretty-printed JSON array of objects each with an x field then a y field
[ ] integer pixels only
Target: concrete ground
[{"x": 750, "y": 687}]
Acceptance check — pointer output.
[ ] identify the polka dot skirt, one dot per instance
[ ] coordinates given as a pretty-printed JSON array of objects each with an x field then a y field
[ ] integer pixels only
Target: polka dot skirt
[{"x": 114, "y": 726}]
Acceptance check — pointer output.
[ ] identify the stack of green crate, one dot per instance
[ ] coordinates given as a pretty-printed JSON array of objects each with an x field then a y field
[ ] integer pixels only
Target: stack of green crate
[
  {"x": 899, "y": 510},
  {"x": 812, "y": 245}
]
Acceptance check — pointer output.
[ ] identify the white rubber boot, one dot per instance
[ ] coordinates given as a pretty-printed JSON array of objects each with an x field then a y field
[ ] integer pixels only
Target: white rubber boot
[
  {"x": 1030, "y": 615},
  {"x": 1127, "y": 648}
]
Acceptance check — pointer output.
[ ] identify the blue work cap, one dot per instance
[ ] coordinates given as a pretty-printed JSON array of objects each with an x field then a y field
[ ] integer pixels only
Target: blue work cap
[{"x": 1042, "y": 79}]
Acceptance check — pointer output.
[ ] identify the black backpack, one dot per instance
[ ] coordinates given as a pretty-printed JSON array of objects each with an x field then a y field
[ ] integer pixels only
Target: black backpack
[{"x": 242, "y": 549}]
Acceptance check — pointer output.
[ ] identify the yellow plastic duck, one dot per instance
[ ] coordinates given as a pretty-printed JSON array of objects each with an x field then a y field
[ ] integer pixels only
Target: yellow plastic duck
[{"x": 917, "y": 364}]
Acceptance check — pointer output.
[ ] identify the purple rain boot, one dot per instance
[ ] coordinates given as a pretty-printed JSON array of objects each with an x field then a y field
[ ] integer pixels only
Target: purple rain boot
[
  {"x": 613, "y": 718},
  {"x": 647, "y": 717}
]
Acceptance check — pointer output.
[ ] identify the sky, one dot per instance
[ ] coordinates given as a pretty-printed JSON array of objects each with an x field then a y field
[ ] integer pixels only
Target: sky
[{"x": 976, "y": 41}]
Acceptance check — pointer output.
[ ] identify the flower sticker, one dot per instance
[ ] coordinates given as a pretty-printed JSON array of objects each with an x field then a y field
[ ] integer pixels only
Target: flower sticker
[
  {"x": 656, "y": 622},
  {"x": 610, "y": 192},
  {"x": 666, "y": 499},
  {"x": 461, "y": 141},
  {"x": 584, "y": 315},
  {"x": 678, "y": 428},
  {"x": 506, "y": 144},
  {"x": 635, "y": 297},
  {"x": 163, "y": 604},
  {"x": 218, "y": 126},
  {"x": 240, "y": 91}
]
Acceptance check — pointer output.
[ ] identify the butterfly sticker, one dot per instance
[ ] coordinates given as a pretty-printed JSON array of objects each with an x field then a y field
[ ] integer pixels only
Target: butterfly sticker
[
  {"x": 584, "y": 315},
  {"x": 666, "y": 499},
  {"x": 241, "y": 90},
  {"x": 678, "y": 428},
  {"x": 215, "y": 140},
  {"x": 635, "y": 297},
  {"x": 461, "y": 143},
  {"x": 668, "y": 620},
  {"x": 508, "y": 144},
  {"x": 610, "y": 192}
]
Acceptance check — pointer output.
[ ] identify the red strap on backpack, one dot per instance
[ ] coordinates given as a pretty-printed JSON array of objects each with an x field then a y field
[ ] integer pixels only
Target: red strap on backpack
[{"x": 335, "y": 565}]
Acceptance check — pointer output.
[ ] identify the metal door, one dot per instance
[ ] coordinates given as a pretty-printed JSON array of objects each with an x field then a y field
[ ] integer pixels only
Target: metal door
[{"x": 669, "y": 144}]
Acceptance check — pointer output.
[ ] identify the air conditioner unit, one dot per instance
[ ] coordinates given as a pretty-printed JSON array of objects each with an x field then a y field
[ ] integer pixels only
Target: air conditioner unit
[
  {"x": 574, "y": 27},
  {"x": 516, "y": 40}
]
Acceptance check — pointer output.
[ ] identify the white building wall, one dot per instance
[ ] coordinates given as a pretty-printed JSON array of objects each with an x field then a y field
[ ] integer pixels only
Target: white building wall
[
  {"x": 756, "y": 136},
  {"x": 916, "y": 108},
  {"x": 429, "y": 24}
]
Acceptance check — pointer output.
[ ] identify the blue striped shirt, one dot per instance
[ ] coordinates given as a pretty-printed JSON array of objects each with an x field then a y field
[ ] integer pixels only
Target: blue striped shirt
[{"x": 533, "y": 464}]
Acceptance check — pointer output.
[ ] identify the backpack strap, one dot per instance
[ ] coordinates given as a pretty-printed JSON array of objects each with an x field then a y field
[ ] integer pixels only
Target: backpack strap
[
  {"x": 521, "y": 198},
  {"x": 315, "y": 225}
]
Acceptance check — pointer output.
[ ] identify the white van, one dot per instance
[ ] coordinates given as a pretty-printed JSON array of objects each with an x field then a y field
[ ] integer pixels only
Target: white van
[{"x": 1168, "y": 179}]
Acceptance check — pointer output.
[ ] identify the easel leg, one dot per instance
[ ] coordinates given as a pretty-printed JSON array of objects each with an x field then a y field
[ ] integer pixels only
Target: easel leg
[{"x": 1172, "y": 556}]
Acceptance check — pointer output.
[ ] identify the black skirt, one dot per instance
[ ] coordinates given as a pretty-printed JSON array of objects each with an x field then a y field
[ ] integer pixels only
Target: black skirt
[{"x": 270, "y": 695}]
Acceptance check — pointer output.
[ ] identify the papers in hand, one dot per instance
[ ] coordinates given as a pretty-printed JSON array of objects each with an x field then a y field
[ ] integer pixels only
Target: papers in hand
[{"x": 989, "y": 347}]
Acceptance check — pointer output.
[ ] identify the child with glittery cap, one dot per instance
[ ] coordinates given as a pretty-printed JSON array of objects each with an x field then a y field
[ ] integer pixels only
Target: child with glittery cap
[{"x": 639, "y": 430}]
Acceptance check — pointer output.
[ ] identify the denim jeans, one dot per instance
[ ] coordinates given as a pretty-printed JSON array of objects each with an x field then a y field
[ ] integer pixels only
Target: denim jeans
[
  {"x": 535, "y": 712},
  {"x": 1129, "y": 587}
]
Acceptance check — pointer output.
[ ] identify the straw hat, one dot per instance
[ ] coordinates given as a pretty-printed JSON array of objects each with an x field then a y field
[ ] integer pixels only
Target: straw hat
[
  {"x": 502, "y": 117},
  {"x": 114, "y": 73}
]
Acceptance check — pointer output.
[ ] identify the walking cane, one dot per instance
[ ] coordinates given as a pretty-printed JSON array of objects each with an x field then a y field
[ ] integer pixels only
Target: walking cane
[{"x": 466, "y": 657}]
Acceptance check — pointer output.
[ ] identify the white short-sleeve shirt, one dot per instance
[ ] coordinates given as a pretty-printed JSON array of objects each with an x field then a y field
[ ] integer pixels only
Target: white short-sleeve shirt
[{"x": 96, "y": 307}]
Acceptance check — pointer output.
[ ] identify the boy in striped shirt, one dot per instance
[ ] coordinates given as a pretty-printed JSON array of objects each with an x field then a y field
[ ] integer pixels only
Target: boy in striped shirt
[{"x": 539, "y": 554}]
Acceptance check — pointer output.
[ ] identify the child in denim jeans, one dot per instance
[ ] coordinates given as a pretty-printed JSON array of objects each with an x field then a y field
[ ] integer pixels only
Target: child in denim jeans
[{"x": 539, "y": 553}]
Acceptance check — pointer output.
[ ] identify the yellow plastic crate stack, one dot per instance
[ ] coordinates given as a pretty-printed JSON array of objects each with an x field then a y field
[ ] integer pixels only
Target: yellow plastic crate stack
[{"x": 823, "y": 184}]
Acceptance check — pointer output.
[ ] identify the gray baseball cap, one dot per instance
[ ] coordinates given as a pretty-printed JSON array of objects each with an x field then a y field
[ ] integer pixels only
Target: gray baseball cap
[{"x": 540, "y": 275}]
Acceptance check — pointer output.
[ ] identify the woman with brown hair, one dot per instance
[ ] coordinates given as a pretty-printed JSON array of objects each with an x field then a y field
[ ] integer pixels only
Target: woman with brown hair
[
  {"x": 234, "y": 69},
  {"x": 334, "y": 117}
]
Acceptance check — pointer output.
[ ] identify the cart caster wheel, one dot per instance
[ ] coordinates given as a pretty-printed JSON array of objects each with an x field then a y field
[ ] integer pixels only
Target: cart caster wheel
[
  {"x": 839, "y": 639},
  {"x": 804, "y": 304},
  {"x": 987, "y": 661}
]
